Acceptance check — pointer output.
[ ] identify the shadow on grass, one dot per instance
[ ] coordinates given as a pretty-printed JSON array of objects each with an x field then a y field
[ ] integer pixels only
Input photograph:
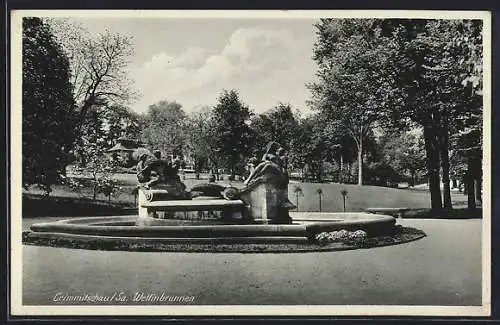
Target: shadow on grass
[{"x": 38, "y": 206}]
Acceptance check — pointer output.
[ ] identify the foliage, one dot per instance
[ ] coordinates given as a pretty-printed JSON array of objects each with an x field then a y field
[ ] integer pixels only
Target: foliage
[
  {"x": 233, "y": 136},
  {"x": 278, "y": 124},
  {"x": 164, "y": 127},
  {"x": 98, "y": 64},
  {"x": 398, "y": 73},
  {"x": 47, "y": 104},
  {"x": 352, "y": 85},
  {"x": 101, "y": 181},
  {"x": 308, "y": 148},
  {"x": 201, "y": 139},
  {"x": 100, "y": 77},
  {"x": 439, "y": 66},
  {"x": 404, "y": 151},
  {"x": 95, "y": 167},
  {"x": 120, "y": 121}
]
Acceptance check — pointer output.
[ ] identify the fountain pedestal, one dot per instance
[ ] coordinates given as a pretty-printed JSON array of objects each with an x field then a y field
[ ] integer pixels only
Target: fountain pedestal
[
  {"x": 161, "y": 192},
  {"x": 267, "y": 203}
]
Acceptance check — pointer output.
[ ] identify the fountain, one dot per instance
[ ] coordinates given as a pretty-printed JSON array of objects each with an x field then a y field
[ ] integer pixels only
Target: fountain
[{"x": 210, "y": 214}]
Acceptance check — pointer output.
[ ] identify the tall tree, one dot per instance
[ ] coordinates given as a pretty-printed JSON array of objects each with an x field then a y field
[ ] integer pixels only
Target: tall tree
[
  {"x": 232, "y": 133},
  {"x": 99, "y": 75},
  {"x": 98, "y": 64},
  {"x": 96, "y": 168},
  {"x": 48, "y": 106},
  {"x": 164, "y": 127},
  {"x": 201, "y": 139},
  {"x": 435, "y": 62},
  {"x": 278, "y": 124},
  {"x": 309, "y": 148},
  {"x": 351, "y": 85},
  {"x": 121, "y": 121},
  {"x": 404, "y": 151}
]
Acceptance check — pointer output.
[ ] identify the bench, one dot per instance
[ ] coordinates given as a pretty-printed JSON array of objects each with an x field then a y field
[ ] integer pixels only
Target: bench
[
  {"x": 395, "y": 212},
  {"x": 228, "y": 207}
]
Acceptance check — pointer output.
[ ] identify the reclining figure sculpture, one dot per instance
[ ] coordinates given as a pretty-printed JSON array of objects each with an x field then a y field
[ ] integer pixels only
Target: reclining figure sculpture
[{"x": 158, "y": 179}]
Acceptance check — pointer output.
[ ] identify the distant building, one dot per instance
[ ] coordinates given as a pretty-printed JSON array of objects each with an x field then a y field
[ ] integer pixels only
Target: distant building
[{"x": 124, "y": 151}]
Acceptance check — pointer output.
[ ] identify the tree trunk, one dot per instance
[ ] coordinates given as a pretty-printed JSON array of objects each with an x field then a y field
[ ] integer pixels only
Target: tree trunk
[
  {"x": 360, "y": 161},
  {"x": 445, "y": 163},
  {"x": 432, "y": 151},
  {"x": 341, "y": 169},
  {"x": 478, "y": 185},
  {"x": 469, "y": 184},
  {"x": 412, "y": 178}
]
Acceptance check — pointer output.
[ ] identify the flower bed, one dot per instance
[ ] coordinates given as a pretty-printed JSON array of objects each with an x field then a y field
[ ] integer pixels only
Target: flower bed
[{"x": 328, "y": 241}]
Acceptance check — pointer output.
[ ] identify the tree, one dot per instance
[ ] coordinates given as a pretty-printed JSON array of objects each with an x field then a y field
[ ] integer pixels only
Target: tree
[
  {"x": 98, "y": 64},
  {"x": 201, "y": 139},
  {"x": 164, "y": 127},
  {"x": 466, "y": 119},
  {"x": 98, "y": 70},
  {"x": 48, "y": 106},
  {"x": 352, "y": 85},
  {"x": 231, "y": 130},
  {"x": 120, "y": 121},
  {"x": 96, "y": 167},
  {"x": 307, "y": 149},
  {"x": 404, "y": 151},
  {"x": 278, "y": 124},
  {"x": 98, "y": 171},
  {"x": 436, "y": 63}
]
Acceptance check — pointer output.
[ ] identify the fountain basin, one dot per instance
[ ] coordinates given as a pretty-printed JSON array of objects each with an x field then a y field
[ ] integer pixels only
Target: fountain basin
[
  {"x": 122, "y": 233},
  {"x": 305, "y": 226}
]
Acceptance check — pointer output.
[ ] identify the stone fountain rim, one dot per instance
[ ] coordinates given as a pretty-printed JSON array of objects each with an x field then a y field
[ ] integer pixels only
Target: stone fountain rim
[
  {"x": 371, "y": 223},
  {"x": 256, "y": 238}
]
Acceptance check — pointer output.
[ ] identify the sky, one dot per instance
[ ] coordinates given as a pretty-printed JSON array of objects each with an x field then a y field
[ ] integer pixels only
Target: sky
[{"x": 191, "y": 60}]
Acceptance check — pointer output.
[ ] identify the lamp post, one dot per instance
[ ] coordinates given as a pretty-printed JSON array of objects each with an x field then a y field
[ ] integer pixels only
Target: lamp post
[
  {"x": 344, "y": 195},
  {"x": 319, "y": 191}
]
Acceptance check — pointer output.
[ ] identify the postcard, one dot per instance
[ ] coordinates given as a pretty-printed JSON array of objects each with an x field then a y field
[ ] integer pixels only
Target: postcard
[{"x": 250, "y": 163}]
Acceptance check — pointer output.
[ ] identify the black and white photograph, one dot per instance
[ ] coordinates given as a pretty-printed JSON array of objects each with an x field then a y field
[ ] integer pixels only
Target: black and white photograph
[{"x": 250, "y": 162}]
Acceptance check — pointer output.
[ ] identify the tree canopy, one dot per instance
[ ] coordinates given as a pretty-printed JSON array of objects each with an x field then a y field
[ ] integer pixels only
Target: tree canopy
[
  {"x": 164, "y": 128},
  {"x": 233, "y": 136},
  {"x": 48, "y": 105}
]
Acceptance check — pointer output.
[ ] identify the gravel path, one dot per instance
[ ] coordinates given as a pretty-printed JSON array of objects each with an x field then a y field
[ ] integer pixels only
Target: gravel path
[{"x": 442, "y": 269}]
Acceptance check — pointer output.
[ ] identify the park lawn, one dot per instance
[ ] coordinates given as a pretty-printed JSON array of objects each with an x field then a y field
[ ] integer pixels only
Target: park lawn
[
  {"x": 65, "y": 201},
  {"x": 361, "y": 197}
]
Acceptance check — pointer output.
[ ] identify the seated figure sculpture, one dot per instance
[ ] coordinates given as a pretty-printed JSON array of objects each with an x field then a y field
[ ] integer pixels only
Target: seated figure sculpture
[
  {"x": 272, "y": 168},
  {"x": 272, "y": 174}
]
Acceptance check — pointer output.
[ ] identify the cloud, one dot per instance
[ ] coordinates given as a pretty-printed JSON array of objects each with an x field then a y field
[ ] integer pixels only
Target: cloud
[{"x": 265, "y": 65}]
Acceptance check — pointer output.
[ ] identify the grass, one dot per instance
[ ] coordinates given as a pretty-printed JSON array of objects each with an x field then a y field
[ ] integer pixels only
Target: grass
[
  {"x": 361, "y": 197},
  {"x": 64, "y": 201}
]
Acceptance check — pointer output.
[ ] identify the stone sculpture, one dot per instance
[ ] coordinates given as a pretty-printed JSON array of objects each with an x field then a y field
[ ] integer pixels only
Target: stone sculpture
[
  {"x": 266, "y": 190},
  {"x": 158, "y": 180}
]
